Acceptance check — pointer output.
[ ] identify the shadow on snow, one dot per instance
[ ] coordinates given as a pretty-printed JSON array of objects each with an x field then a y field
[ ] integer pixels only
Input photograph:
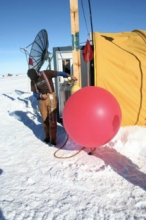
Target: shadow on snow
[
  {"x": 1, "y": 215},
  {"x": 122, "y": 166}
]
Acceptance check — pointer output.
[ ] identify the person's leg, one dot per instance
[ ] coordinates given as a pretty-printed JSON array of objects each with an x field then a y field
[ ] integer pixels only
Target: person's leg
[
  {"x": 53, "y": 118},
  {"x": 43, "y": 106}
]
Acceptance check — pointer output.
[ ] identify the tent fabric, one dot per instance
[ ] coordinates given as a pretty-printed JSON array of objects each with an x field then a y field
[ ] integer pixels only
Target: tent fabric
[{"x": 120, "y": 67}]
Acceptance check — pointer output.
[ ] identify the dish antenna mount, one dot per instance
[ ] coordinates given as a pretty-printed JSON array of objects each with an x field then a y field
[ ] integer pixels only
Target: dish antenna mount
[{"x": 39, "y": 51}]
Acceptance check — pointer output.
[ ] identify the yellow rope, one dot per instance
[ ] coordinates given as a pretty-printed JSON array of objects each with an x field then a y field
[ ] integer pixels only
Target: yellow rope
[{"x": 68, "y": 156}]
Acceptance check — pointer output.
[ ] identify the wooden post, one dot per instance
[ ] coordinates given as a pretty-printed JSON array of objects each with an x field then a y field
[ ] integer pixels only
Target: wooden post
[{"x": 75, "y": 41}]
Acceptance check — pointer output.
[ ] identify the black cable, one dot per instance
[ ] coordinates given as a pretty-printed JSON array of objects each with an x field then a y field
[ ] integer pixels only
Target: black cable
[
  {"x": 92, "y": 61},
  {"x": 91, "y": 20},
  {"x": 85, "y": 17}
]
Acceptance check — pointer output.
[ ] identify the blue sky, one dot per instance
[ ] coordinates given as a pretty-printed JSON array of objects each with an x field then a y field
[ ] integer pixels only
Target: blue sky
[{"x": 21, "y": 20}]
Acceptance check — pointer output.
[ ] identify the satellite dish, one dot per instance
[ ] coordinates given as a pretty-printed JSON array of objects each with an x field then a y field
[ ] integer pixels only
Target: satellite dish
[{"x": 39, "y": 51}]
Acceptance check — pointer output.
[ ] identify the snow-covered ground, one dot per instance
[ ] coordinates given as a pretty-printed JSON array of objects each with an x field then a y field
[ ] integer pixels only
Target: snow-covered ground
[{"x": 36, "y": 183}]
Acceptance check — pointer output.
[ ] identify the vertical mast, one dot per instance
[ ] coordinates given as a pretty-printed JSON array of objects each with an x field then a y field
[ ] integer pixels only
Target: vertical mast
[{"x": 75, "y": 40}]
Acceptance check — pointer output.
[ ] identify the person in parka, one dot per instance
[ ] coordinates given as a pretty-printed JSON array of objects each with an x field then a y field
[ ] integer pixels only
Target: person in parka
[{"x": 43, "y": 89}]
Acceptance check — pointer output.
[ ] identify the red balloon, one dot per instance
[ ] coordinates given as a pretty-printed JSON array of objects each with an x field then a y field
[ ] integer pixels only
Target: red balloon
[{"x": 92, "y": 116}]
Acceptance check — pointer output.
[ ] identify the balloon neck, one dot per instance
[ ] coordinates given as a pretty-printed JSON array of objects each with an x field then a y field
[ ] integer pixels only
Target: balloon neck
[{"x": 75, "y": 88}]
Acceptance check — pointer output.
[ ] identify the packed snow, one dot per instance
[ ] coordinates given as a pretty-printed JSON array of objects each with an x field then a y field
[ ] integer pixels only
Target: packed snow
[{"x": 38, "y": 182}]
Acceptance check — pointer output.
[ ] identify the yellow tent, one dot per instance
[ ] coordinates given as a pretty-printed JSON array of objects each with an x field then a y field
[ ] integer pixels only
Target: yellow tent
[{"x": 120, "y": 67}]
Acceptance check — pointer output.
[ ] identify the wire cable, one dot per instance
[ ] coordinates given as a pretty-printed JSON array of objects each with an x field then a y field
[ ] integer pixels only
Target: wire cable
[
  {"x": 85, "y": 18},
  {"x": 91, "y": 20},
  {"x": 67, "y": 157}
]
